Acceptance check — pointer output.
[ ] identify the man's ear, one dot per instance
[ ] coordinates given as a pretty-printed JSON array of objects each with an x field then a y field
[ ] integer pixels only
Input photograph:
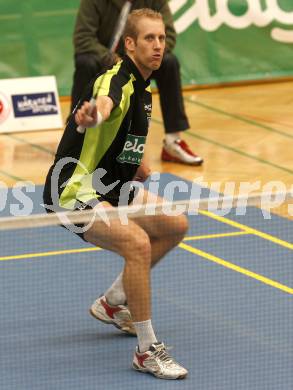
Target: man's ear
[{"x": 129, "y": 44}]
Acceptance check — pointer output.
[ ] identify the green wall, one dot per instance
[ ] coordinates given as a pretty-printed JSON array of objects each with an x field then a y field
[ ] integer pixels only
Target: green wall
[
  {"x": 37, "y": 39},
  {"x": 218, "y": 41}
]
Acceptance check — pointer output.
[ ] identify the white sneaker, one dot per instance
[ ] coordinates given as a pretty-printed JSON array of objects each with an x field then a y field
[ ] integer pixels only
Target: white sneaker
[
  {"x": 178, "y": 151},
  {"x": 118, "y": 316},
  {"x": 158, "y": 362}
]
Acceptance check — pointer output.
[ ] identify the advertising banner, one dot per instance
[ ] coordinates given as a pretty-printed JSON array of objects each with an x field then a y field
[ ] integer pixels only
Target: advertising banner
[
  {"x": 29, "y": 104},
  {"x": 233, "y": 40}
]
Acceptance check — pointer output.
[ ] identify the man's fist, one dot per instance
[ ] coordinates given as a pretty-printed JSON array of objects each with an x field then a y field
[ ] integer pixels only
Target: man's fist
[{"x": 143, "y": 172}]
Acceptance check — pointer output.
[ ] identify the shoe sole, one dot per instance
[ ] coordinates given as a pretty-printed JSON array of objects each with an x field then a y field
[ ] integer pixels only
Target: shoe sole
[
  {"x": 145, "y": 371},
  {"x": 110, "y": 322},
  {"x": 195, "y": 164}
]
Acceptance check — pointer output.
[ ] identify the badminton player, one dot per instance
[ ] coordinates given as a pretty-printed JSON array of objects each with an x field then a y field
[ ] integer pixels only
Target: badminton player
[
  {"x": 92, "y": 35},
  {"x": 114, "y": 140}
]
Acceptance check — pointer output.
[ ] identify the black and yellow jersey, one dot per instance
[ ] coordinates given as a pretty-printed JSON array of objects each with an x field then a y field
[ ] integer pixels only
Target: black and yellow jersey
[{"x": 104, "y": 158}]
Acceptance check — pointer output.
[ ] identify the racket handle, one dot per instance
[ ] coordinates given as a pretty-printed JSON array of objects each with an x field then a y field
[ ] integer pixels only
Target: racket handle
[{"x": 80, "y": 129}]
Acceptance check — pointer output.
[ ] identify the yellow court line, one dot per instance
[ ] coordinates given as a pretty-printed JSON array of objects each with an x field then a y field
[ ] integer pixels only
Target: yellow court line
[
  {"x": 245, "y": 230},
  {"x": 216, "y": 235},
  {"x": 236, "y": 268},
  {"x": 83, "y": 250},
  {"x": 52, "y": 253},
  {"x": 248, "y": 229}
]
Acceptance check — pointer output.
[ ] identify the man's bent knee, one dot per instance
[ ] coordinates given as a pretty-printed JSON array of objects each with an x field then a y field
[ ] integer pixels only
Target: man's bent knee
[
  {"x": 136, "y": 246},
  {"x": 181, "y": 225},
  {"x": 177, "y": 226}
]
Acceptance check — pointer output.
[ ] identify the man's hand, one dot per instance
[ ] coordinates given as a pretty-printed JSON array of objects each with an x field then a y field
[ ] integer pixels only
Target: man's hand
[
  {"x": 143, "y": 172},
  {"x": 86, "y": 116}
]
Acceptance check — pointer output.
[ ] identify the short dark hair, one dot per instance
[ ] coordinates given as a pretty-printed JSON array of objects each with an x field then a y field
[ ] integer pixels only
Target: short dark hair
[{"x": 131, "y": 24}]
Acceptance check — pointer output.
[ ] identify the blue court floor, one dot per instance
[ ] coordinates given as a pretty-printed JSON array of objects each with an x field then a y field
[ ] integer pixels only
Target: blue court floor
[{"x": 222, "y": 300}]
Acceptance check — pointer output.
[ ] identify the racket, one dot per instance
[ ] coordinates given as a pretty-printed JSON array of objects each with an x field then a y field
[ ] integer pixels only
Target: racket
[{"x": 112, "y": 48}]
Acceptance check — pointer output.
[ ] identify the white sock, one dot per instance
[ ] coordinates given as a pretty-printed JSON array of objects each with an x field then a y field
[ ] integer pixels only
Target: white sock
[
  {"x": 145, "y": 335},
  {"x": 171, "y": 137},
  {"x": 115, "y": 295}
]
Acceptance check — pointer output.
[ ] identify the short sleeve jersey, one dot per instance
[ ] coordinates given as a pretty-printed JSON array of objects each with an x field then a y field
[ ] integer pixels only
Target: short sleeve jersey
[{"x": 100, "y": 162}]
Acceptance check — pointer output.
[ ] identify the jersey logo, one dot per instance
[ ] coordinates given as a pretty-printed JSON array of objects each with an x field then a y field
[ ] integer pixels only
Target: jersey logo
[{"x": 133, "y": 150}]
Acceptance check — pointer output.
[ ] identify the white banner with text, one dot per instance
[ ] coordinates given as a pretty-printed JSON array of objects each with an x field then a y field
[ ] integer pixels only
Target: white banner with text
[{"x": 30, "y": 103}]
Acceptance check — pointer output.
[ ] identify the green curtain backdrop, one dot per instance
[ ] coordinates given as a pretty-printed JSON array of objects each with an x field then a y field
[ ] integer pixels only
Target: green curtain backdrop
[
  {"x": 36, "y": 39},
  {"x": 218, "y": 40}
]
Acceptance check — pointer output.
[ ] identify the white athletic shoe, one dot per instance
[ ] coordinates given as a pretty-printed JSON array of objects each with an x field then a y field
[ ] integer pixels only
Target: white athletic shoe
[
  {"x": 178, "y": 151},
  {"x": 118, "y": 316},
  {"x": 158, "y": 362}
]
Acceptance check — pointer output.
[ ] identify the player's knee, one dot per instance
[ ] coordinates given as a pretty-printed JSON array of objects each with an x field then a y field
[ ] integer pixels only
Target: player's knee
[
  {"x": 181, "y": 226},
  {"x": 137, "y": 245}
]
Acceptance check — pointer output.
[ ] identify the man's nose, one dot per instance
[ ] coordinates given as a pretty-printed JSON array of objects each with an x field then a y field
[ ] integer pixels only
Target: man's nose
[{"x": 157, "y": 43}]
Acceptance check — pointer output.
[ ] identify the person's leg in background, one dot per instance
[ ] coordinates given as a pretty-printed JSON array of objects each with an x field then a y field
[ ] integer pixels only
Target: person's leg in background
[{"x": 175, "y": 120}]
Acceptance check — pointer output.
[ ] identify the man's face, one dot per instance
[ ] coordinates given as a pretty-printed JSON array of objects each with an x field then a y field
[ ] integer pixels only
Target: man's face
[{"x": 148, "y": 49}]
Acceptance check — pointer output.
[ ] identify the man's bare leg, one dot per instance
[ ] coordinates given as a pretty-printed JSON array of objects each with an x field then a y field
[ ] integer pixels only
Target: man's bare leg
[
  {"x": 132, "y": 243},
  {"x": 165, "y": 232}
]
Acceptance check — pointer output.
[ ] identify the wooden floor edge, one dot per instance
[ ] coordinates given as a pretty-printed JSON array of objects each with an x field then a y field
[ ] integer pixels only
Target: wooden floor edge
[{"x": 230, "y": 84}]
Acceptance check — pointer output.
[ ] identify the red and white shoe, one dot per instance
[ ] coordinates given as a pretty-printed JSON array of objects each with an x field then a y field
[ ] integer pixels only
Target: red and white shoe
[
  {"x": 118, "y": 316},
  {"x": 158, "y": 362},
  {"x": 178, "y": 151}
]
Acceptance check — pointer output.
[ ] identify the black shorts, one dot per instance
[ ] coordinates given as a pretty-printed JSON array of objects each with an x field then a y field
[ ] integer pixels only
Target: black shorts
[{"x": 83, "y": 206}]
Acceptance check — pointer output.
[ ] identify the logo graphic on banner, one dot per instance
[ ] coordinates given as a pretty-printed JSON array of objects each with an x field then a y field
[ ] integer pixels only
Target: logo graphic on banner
[
  {"x": 4, "y": 108},
  {"x": 255, "y": 15},
  {"x": 133, "y": 150},
  {"x": 34, "y": 104}
]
